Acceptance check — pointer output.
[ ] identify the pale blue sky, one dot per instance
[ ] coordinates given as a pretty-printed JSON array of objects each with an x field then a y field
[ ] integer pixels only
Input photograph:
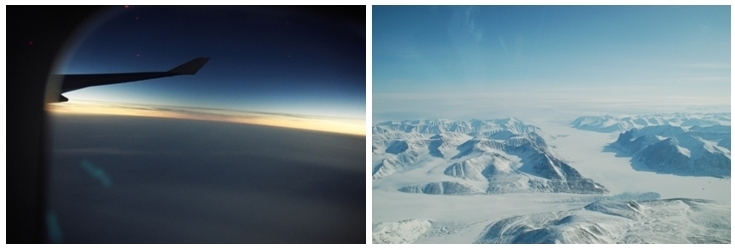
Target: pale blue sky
[{"x": 640, "y": 54}]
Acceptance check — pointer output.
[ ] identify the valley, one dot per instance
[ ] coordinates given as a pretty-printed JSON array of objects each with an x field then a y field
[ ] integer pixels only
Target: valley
[{"x": 468, "y": 167}]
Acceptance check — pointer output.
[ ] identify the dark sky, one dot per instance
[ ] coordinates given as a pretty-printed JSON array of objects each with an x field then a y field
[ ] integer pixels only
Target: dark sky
[{"x": 287, "y": 60}]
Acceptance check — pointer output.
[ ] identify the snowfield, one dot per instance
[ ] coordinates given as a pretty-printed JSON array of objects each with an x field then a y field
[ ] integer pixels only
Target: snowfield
[
  {"x": 611, "y": 124},
  {"x": 700, "y": 151},
  {"x": 405, "y": 231},
  {"x": 670, "y": 208},
  {"x": 471, "y": 157},
  {"x": 653, "y": 221}
]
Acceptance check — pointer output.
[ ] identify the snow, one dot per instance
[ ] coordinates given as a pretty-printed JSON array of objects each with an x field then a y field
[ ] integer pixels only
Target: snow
[
  {"x": 405, "y": 231},
  {"x": 466, "y": 218},
  {"x": 522, "y": 162},
  {"x": 610, "y": 124},
  {"x": 676, "y": 151},
  {"x": 653, "y": 221},
  {"x": 584, "y": 150}
]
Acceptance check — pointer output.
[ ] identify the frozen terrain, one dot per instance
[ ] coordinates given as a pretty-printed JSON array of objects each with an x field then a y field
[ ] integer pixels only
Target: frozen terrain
[
  {"x": 405, "y": 231},
  {"x": 699, "y": 151},
  {"x": 652, "y": 221},
  {"x": 471, "y": 157},
  {"x": 586, "y": 151},
  {"x": 466, "y": 218},
  {"x": 610, "y": 124}
]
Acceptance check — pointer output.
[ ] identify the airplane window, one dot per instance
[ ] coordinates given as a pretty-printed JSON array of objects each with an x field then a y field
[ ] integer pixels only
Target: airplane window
[{"x": 210, "y": 125}]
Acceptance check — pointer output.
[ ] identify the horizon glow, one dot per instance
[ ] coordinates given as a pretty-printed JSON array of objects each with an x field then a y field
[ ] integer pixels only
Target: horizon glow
[
  {"x": 294, "y": 121},
  {"x": 307, "y": 62}
]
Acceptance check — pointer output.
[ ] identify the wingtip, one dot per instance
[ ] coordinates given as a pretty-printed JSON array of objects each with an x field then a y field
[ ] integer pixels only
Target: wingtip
[{"x": 190, "y": 67}]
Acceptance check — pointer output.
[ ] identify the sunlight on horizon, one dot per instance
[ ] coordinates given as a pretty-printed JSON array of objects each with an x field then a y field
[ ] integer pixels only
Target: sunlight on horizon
[{"x": 323, "y": 124}]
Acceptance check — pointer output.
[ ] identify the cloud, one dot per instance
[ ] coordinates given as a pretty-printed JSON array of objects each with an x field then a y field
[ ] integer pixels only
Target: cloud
[
  {"x": 310, "y": 122},
  {"x": 548, "y": 102},
  {"x": 470, "y": 22},
  {"x": 110, "y": 151},
  {"x": 706, "y": 65},
  {"x": 703, "y": 79},
  {"x": 502, "y": 42},
  {"x": 186, "y": 181}
]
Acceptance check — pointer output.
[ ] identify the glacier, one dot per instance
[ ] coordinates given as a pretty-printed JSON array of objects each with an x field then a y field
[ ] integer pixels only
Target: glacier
[{"x": 444, "y": 181}]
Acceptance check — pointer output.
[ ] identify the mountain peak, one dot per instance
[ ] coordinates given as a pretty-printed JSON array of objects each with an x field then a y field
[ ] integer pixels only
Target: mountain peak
[
  {"x": 504, "y": 154},
  {"x": 702, "y": 151}
]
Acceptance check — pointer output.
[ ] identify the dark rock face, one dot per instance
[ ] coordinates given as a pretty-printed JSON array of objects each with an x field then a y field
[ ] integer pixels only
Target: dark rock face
[{"x": 445, "y": 187}]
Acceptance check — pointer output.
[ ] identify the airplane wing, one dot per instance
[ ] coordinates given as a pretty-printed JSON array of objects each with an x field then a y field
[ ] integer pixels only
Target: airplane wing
[{"x": 74, "y": 82}]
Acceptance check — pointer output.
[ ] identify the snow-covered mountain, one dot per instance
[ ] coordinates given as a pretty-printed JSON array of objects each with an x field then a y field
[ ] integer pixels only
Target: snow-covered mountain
[
  {"x": 405, "y": 231},
  {"x": 471, "y": 157},
  {"x": 610, "y": 124},
  {"x": 697, "y": 151},
  {"x": 652, "y": 221}
]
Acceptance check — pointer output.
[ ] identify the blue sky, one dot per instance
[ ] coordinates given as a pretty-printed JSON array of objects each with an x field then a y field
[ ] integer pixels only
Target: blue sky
[
  {"x": 277, "y": 60},
  {"x": 426, "y": 53}
]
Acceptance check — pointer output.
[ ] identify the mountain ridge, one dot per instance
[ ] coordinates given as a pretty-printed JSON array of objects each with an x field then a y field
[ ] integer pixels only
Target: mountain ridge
[
  {"x": 699, "y": 151},
  {"x": 611, "y": 124},
  {"x": 475, "y": 156}
]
